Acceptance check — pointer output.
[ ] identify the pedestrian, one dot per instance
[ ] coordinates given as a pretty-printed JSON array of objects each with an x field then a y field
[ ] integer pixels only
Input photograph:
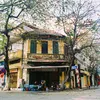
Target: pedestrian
[
  {"x": 43, "y": 85},
  {"x": 35, "y": 83},
  {"x": 23, "y": 83}
]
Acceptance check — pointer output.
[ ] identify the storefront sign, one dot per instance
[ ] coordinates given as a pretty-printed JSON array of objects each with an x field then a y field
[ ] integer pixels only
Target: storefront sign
[
  {"x": 45, "y": 57},
  {"x": 1, "y": 66},
  {"x": 13, "y": 70}
]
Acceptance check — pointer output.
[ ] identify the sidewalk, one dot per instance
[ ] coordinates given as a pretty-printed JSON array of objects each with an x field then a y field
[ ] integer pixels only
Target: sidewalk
[{"x": 67, "y": 90}]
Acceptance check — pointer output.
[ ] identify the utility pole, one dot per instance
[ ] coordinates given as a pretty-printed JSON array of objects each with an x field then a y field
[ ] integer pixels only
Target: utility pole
[{"x": 79, "y": 76}]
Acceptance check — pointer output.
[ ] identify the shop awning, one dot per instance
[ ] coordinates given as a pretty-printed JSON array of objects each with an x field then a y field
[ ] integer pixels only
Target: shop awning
[
  {"x": 85, "y": 72},
  {"x": 33, "y": 67}
]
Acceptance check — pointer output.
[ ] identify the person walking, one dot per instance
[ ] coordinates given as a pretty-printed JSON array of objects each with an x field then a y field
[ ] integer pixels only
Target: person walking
[{"x": 23, "y": 83}]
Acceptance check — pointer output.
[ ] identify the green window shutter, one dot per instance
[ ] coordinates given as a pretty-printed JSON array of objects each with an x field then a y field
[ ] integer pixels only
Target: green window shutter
[
  {"x": 55, "y": 47},
  {"x": 33, "y": 46},
  {"x": 44, "y": 47}
]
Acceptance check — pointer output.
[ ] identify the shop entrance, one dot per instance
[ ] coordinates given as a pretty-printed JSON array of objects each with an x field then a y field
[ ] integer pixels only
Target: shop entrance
[
  {"x": 48, "y": 76},
  {"x": 13, "y": 80}
]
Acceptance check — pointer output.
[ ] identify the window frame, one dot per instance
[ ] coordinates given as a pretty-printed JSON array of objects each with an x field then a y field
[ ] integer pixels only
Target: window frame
[
  {"x": 55, "y": 47},
  {"x": 44, "y": 47},
  {"x": 32, "y": 49}
]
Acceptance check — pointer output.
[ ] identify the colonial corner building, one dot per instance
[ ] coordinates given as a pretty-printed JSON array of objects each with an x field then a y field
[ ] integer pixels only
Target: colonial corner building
[{"x": 38, "y": 56}]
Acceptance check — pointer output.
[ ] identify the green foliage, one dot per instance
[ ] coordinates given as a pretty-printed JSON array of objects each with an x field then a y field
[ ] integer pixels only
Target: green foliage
[
  {"x": 3, "y": 41},
  {"x": 94, "y": 27}
]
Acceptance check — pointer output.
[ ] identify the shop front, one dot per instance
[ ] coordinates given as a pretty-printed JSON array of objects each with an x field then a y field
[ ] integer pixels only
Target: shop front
[
  {"x": 85, "y": 79},
  {"x": 52, "y": 75},
  {"x": 13, "y": 78},
  {"x": 49, "y": 75}
]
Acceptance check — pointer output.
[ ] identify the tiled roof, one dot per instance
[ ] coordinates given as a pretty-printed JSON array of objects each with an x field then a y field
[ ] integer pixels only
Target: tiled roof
[{"x": 26, "y": 28}]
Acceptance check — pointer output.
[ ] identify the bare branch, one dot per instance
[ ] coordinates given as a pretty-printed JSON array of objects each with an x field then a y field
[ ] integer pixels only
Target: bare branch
[{"x": 11, "y": 16}]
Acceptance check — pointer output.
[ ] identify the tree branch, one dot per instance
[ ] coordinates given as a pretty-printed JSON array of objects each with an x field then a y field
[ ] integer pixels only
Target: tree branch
[{"x": 11, "y": 16}]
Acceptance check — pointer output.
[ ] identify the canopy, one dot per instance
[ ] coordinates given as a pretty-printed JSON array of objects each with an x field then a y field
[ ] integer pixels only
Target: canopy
[{"x": 33, "y": 67}]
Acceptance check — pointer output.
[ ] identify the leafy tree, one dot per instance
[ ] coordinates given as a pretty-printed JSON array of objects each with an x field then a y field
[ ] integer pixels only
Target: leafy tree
[
  {"x": 75, "y": 17},
  {"x": 16, "y": 11},
  {"x": 3, "y": 41}
]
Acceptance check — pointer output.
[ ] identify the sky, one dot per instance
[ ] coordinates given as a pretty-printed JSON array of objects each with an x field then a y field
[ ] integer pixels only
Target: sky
[{"x": 95, "y": 3}]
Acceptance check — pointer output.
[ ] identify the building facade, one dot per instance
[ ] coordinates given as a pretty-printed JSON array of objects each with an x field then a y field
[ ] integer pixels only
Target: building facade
[
  {"x": 40, "y": 56},
  {"x": 44, "y": 59}
]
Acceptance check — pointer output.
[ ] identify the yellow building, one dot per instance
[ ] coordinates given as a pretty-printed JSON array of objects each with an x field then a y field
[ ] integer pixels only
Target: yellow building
[
  {"x": 42, "y": 57},
  {"x": 15, "y": 68}
]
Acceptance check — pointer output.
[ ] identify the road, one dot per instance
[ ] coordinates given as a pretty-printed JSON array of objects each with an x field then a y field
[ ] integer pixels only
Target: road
[{"x": 92, "y": 94}]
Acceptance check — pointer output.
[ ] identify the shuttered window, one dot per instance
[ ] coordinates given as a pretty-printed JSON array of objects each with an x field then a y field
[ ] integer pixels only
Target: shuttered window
[
  {"x": 33, "y": 46},
  {"x": 55, "y": 47},
  {"x": 44, "y": 47}
]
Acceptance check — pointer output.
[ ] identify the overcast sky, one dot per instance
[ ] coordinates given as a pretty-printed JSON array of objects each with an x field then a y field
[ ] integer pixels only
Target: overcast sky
[{"x": 95, "y": 2}]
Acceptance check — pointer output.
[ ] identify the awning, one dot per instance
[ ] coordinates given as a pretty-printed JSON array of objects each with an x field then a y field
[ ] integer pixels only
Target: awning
[
  {"x": 33, "y": 67},
  {"x": 85, "y": 72}
]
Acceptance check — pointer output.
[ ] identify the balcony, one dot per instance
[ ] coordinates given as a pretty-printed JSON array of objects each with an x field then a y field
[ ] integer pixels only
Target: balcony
[
  {"x": 46, "y": 57},
  {"x": 15, "y": 55}
]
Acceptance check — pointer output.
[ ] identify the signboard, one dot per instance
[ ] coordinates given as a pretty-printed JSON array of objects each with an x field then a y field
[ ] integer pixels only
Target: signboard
[
  {"x": 74, "y": 67},
  {"x": 1, "y": 66},
  {"x": 13, "y": 70},
  {"x": 46, "y": 57}
]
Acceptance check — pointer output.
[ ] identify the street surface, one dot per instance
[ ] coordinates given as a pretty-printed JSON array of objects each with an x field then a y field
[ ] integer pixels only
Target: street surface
[{"x": 92, "y": 94}]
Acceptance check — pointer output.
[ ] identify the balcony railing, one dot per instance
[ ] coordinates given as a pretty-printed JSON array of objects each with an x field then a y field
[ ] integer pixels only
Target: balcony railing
[{"x": 46, "y": 57}]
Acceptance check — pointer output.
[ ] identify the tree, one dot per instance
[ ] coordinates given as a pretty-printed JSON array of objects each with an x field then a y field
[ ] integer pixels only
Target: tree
[
  {"x": 75, "y": 17},
  {"x": 3, "y": 41},
  {"x": 16, "y": 11}
]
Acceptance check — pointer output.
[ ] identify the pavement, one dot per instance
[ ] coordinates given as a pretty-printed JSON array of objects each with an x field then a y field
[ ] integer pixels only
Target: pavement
[
  {"x": 71, "y": 94},
  {"x": 51, "y": 91}
]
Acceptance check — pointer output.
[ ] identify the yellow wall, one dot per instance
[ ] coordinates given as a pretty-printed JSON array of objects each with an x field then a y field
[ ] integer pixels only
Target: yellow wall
[
  {"x": 26, "y": 48},
  {"x": 86, "y": 81},
  {"x": 28, "y": 44},
  {"x": 17, "y": 54},
  {"x": 89, "y": 80},
  {"x": 50, "y": 49},
  {"x": 39, "y": 47},
  {"x": 16, "y": 66},
  {"x": 50, "y": 46},
  {"x": 61, "y": 78},
  {"x": 61, "y": 47}
]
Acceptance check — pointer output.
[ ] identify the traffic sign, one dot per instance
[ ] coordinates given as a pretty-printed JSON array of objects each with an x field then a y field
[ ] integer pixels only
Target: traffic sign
[{"x": 74, "y": 67}]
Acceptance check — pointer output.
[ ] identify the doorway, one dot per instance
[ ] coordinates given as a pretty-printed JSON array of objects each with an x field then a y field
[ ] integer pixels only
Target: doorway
[{"x": 49, "y": 77}]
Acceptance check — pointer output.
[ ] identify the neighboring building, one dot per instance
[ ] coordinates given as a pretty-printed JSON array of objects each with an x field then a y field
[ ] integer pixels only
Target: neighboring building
[
  {"x": 15, "y": 64},
  {"x": 83, "y": 62},
  {"x": 81, "y": 74}
]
